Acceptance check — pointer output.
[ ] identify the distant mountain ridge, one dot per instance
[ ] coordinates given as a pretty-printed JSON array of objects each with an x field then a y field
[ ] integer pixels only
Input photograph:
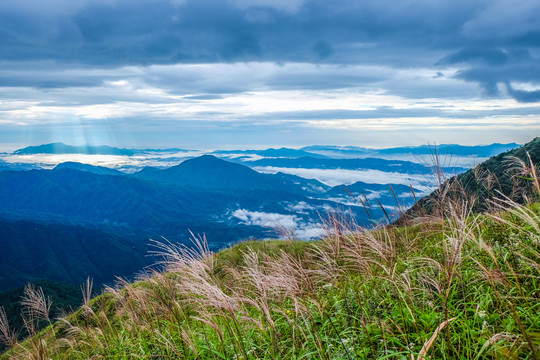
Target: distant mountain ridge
[
  {"x": 443, "y": 149},
  {"x": 314, "y": 151},
  {"x": 61, "y": 148},
  {"x": 349, "y": 164},
  {"x": 99, "y": 170},
  {"x": 361, "y": 187},
  {"x": 209, "y": 171}
]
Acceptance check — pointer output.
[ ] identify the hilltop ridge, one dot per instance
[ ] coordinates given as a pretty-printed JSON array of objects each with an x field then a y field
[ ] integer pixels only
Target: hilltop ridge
[{"x": 507, "y": 174}]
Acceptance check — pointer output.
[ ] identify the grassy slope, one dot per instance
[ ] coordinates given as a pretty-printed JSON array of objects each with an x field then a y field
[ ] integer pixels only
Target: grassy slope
[{"x": 467, "y": 287}]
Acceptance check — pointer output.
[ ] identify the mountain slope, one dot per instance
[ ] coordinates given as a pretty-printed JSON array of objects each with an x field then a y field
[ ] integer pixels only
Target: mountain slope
[
  {"x": 30, "y": 251},
  {"x": 462, "y": 288},
  {"x": 65, "y": 299},
  {"x": 88, "y": 197},
  {"x": 210, "y": 172},
  {"x": 123, "y": 204},
  {"x": 499, "y": 174}
]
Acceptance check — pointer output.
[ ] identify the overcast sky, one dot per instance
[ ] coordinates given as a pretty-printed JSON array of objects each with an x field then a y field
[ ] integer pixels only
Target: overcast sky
[{"x": 258, "y": 73}]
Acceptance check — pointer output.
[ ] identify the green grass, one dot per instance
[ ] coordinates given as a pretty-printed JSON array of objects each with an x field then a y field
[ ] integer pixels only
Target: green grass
[{"x": 465, "y": 287}]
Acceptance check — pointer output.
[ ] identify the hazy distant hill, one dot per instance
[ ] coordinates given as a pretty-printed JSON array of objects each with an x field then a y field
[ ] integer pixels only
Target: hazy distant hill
[
  {"x": 307, "y": 185},
  {"x": 453, "y": 149},
  {"x": 394, "y": 198},
  {"x": 100, "y": 170},
  {"x": 381, "y": 190},
  {"x": 16, "y": 166},
  {"x": 61, "y": 148},
  {"x": 444, "y": 149},
  {"x": 313, "y": 151}
]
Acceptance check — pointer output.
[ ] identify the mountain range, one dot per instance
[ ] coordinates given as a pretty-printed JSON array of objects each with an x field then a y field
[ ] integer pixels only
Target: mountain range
[
  {"x": 93, "y": 211},
  {"x": 210, "y": 172},
  {"x": 443, "y": 149},
  {"x": 317, "y": 151},
  {"x": 70, "y": 221}
]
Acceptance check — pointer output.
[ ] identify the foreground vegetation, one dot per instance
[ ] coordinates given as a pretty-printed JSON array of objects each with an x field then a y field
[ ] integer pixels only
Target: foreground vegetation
[{"x": 454, "y": 285}]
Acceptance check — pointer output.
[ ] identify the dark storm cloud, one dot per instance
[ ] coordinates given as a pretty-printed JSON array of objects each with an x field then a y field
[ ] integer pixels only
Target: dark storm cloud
[
  {"x": 491, "y": 42},
  {"x": 525, "y": 70},
  {"x": 523, "y": 95},
  {"x": 488, "y": 56},
  {"x": 491, "y": 67},
  {"x": 146, "y": 32}
]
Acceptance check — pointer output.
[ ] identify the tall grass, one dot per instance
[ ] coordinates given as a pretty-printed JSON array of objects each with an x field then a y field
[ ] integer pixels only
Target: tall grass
[{"x": 456, "y": 285}]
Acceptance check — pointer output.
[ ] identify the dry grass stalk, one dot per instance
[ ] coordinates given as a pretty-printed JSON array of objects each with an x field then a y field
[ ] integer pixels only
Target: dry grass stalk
[
  {"x": 427, "y": 345},
  {"x": 7, "y": 336},
  {"x": 86, "y": 290},
  {"x": 35, "y": 303},
  {"x": 506, "y": 205},
  {"x": 175, "y": 257}
]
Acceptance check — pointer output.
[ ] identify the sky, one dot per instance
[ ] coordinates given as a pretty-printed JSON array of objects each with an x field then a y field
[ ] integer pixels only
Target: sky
[{"x": 208, "y": 74}]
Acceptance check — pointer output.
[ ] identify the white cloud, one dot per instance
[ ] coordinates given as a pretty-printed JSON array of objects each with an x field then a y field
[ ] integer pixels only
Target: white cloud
[
  {"x": 299, "y": 207},
  {"x": 290, "y": 223},
  {"x": 373, "y": 195},
  {"x": 310, "y": 231},
  {"x": 270, "y": 220}
]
